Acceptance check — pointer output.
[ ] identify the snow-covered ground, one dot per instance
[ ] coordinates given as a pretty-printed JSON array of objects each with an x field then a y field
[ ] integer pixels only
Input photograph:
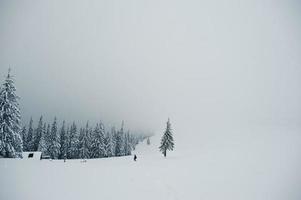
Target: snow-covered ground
[{"x": 233, "y": 168}]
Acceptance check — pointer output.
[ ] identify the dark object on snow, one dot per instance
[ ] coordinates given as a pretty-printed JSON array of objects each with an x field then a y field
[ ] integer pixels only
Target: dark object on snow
[
  {"x": 135, "y": 157},
  {"x": 44, "y": 157}
]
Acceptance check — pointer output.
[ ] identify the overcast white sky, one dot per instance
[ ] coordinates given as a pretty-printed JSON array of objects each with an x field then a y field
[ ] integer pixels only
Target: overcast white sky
[{"x": 201, "y": 63}]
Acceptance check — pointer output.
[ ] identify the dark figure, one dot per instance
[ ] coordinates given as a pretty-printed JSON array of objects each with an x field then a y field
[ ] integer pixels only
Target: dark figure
[{"x": 135, "y": 157}]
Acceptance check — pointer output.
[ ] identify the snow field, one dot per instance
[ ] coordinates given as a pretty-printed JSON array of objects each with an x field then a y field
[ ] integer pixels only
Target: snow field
[{"x": 248, "y": 168}]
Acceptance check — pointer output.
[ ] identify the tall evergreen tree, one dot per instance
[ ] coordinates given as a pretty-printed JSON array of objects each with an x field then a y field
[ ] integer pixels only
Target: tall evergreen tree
[
  {"x": 47, "y": 138},
  {"x": 73, "y": 142},
  {"x": 113, "y": 140},
  {"x": 63, "y": 142},
  {"x": 80, "y": 136},
  {"x": 67, "y": 143},
  {"x": 38, "y": 134},
  {"x": 108, "y": 145},
  {"x": 119, "y": 143},
  {"x": 18, "y": 144},
  {"x": 43, "y": 143},
  {"x": 98, "y": 141},
  {"x": 127, "y": 145},
  {"x": 167, "y": 142},
  {"x": 89, "y": 132},
  {"x": 10, "y": 139},
  {"x": 84, "y": 143},
  {"x": 54, "y": 145},
  {"x": 29, "y": 144},
  {"x": 133, "y": 141},
  {"x": 24, "y": 136}
]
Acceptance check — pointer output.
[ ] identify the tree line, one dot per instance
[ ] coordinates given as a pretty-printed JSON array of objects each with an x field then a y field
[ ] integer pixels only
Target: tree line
[
  {"x": 71, "y": 142},
  {"x": 64, "y": 142}
]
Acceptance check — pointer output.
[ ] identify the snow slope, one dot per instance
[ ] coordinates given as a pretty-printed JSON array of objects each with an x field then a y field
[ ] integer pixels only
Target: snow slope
[{"x": 236, "y": 169}]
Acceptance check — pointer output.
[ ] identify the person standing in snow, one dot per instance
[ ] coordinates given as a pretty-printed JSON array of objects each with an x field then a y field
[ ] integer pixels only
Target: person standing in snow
[{"x": 135, "y": 157}]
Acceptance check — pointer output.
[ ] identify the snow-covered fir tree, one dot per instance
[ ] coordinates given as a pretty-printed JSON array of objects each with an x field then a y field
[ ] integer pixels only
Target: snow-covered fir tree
[
  {"x": 54, "y": 145},
  {"x": 119, "y": 143},
  {"x": 63, "y": 141},
  {"x": 90, "y": 135},
  {"x": 108, "y": 145},
  {"x": 29, "y": 144},
  {"x": 148, "y": 141},
  {"x": 98, "y": 142},
  {"x": 84, "y": 143},
  {"x": 80, "y": 136},
  {"x": 18, "y": 144},
  {"x": 134, "y": 141},
  {"x": 113, "y": 136},
  {"x": 24, "y": 136},
  {"x": 47, "y": 138},
  {"x": 43, "y": 143},
  {"x": 103, "y": 135},
  {"x": 38, "y": 134},
  {"x": 127, "y": 145},
  {"x": 10, "y": 138},
  {"x": 73, "y": 142},
  {"x": 67, "y": 143},
  {"x": 167, "y": 142}
]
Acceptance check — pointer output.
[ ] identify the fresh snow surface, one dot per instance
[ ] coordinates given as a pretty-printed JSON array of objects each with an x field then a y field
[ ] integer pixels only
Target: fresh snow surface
[
  {"x": 36, "y": 155},
  {"x": 265, "y": 168}
]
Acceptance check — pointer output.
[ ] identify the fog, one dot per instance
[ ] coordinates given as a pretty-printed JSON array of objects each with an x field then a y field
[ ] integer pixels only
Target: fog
[{"x": 203, "y": 64}]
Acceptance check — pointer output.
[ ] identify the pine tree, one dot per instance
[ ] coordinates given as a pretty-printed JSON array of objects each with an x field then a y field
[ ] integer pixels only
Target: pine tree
[
  {"x": 42, "y": 143},
  {"x": 29, "y": 144},
  {"x": 148, "y": 141},
  {"x": 98, "y": 142},
  {"x": 80, "y": 136},
  {"x": 63, "y": 142},
  {"x": 167, "y": 142},
  {"x": 84, "y": 143},
  {"x": 10, "y": 139},
  {"x": 119, "y": 143},
  {"x": 67, "y": 143},
  {"x": 18, "y": 144},
  {"x": 54, "y": 145},
  {"x": 38, "y": 134},
  {"x": 113, "y": 136},
  {"x": 73, "y": 142},
  {"x": 89, "y": 132},
  {"x": 24, "y": 136},
  {"x": 47, "y": 138},
  {"x": 107, "y": 143},
  {"x": 127, "y": 145},
  {"x": 133, "y": 141}
]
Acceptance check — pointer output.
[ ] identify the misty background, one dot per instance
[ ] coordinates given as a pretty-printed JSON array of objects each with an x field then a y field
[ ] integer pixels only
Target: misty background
[{"x": 205, "y": 64}]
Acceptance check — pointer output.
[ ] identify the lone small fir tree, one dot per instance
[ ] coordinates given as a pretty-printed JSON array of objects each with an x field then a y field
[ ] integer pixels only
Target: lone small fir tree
[{"x": 167, "y": 142}]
